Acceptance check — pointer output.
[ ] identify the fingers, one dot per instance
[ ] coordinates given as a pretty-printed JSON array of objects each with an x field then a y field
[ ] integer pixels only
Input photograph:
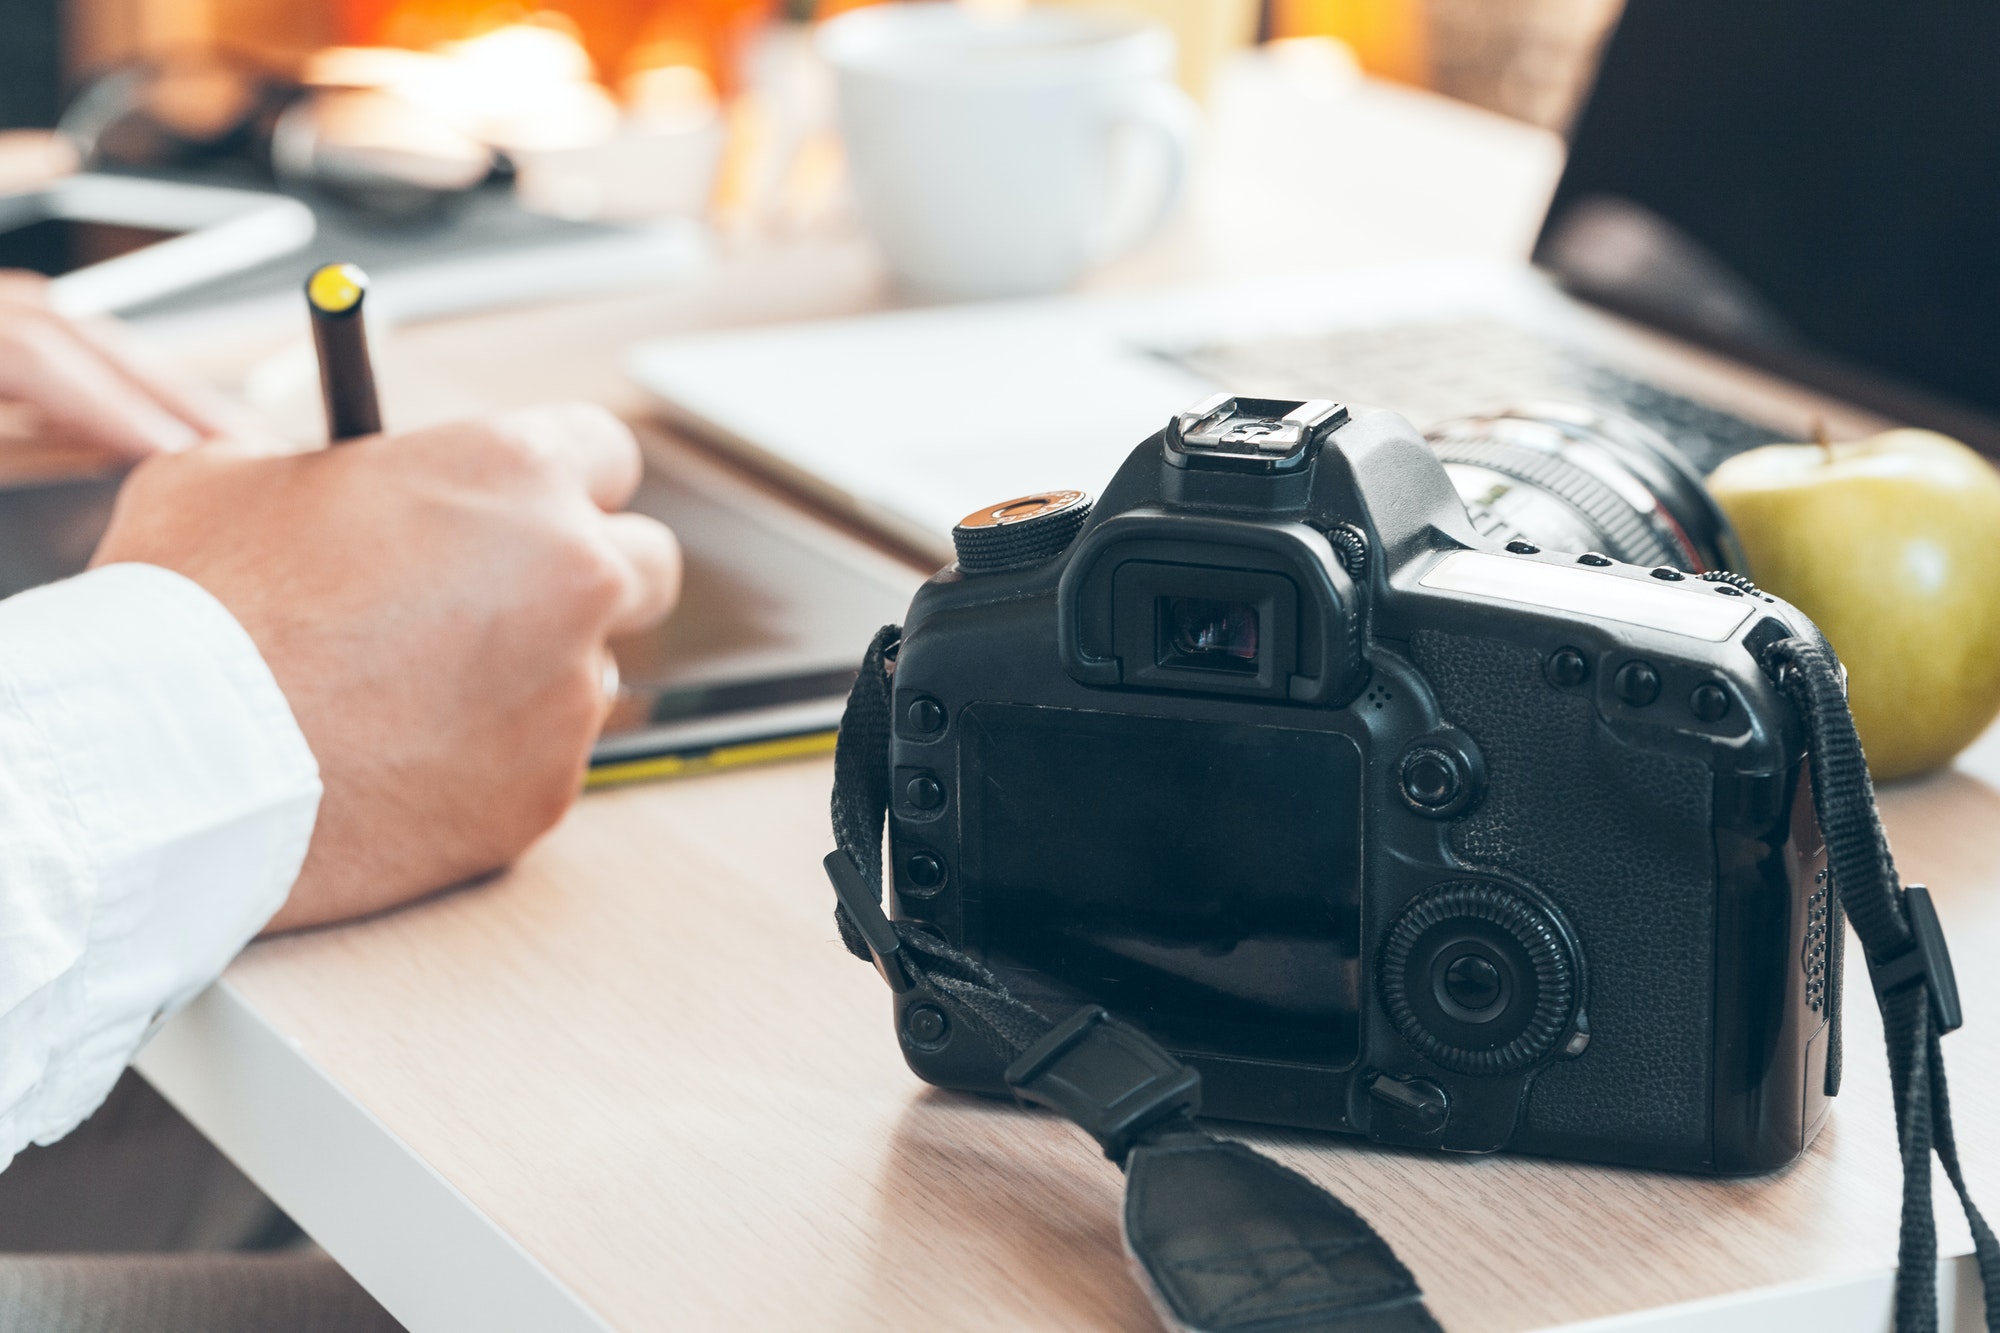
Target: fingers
[
  {"x": 206, "y": 413},
  {"x": 46, "y": 363},
  {"x": 25, "y": 316},
  {"x": 564, "y": 453},
  {"x": 579, "y": 443},
  {"x": 19, "y": 286},
  {"x": 584, "y": 441},
  {"x": 598, "y": 450},
  {"x": 653, "y": 558}
]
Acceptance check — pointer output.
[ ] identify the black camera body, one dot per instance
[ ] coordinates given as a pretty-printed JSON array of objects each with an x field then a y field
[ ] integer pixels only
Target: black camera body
[{"x": 1384, "y": 826}]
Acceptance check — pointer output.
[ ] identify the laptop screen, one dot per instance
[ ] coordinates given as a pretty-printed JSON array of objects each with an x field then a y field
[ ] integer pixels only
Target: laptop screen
[{"x": 1812, "y": 184}]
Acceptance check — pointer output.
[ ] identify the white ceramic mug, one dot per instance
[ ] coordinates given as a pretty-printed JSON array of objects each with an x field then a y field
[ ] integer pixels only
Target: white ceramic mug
[{"x": 1004, "y": 155}]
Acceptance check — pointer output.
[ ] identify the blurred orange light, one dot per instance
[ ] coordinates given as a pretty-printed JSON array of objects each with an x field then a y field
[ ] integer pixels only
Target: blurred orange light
[
  {"x": 1391, "y": 38},
  {"x": 620, "y": 38}
]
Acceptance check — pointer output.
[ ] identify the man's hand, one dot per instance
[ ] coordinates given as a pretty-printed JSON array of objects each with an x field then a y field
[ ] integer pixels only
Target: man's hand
[
  {"x": 435, "y": 607},
  {"x": 86, "y": 388}
]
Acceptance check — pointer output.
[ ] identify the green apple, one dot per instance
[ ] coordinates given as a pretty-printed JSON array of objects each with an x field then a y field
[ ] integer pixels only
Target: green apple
[{"x": 1892, "y": 545}]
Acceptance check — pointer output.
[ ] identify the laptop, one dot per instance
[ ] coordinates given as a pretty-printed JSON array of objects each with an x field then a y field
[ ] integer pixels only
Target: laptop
[{"x": 1798, "y": 194}]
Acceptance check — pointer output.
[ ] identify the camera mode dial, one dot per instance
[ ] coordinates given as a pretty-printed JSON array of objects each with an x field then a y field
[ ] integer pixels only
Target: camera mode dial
[
  {"x": 1478, "y": 979},
  {"x": 1017, "y": 533}
]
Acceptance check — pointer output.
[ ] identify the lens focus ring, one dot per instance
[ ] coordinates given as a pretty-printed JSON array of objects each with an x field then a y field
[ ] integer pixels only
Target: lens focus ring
[
  {"x": 1478, "y": 979},
  {"x": 1625, "y": 533}
]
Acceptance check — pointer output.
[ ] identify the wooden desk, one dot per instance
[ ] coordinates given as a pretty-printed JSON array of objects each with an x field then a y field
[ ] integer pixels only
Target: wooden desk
[
  {"x": 637, "y": 1084},
  {"x": 644, "y": 1059}
]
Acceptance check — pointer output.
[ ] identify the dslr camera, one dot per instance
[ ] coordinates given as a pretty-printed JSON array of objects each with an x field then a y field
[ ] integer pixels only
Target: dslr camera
[{"x": 1383, "y": 813}]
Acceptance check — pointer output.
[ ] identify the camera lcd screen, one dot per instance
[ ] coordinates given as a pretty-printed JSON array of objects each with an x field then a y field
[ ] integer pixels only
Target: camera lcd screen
[{"x": 1202, "y": 879}]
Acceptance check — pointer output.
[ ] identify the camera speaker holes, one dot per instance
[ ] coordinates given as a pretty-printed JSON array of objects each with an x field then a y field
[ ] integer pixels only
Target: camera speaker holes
[
  {"x": 1815, "y": 955},
  {"x": 1379, "y": 696}
]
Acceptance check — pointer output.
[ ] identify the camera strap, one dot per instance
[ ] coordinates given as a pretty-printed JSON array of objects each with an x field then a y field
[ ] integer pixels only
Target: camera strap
[
  {"x": 1908, "y": 968},
  {"x": 1225, "y": 1239}
]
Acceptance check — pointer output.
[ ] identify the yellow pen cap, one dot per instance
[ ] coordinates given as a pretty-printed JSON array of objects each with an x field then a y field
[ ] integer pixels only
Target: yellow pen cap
[{"x": 336, "y": 288}]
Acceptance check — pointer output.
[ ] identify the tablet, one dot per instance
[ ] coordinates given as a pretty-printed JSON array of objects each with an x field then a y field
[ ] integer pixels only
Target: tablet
[
  {"x": 114, "y": 242},
  {"x": 776, "y": 610}
]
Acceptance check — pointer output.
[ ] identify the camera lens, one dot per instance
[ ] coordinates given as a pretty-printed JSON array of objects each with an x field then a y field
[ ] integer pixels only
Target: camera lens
[
  {"x": 1203, "y": 632},
  {"x": 1577, "y": 479}
]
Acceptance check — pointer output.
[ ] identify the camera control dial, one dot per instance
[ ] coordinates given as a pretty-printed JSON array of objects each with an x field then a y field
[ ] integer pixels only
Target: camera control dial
[
  {"x": 1017, "y": 533},
  {"x": 1479, "y": 979}
]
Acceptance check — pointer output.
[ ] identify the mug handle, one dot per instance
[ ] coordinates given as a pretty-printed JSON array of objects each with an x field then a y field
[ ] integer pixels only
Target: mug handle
[{"x": 1161, "y": 114}]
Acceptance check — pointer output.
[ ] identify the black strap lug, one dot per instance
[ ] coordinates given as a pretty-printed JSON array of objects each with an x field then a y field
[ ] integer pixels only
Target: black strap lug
[{"x": 1107, "y": 1076}]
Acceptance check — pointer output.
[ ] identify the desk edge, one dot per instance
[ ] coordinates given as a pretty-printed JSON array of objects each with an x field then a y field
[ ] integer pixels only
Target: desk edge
[
  {"x": 1853, "y": 1303},
  {"x": 416, "y": 1243}
]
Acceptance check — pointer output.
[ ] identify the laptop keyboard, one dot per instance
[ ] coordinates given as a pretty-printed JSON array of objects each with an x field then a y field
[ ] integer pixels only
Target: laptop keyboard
[
  {"x": 1706, "y": 434},
  {"x": 1434, "y": 372}
]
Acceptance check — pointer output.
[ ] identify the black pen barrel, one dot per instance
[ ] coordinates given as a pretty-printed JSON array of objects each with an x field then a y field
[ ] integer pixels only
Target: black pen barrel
[{"x": 335, "y": 295}]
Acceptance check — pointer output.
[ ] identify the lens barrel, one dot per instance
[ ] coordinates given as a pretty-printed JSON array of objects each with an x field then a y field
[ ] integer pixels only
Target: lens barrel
[{"x": 1572, "y": 478}]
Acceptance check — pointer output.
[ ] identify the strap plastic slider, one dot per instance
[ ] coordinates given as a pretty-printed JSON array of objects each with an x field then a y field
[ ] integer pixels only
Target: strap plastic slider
[
  {"x": 1108, "y": 1077},
  {"x": 1926, "y": 960},
  {"x": 865, "y": 911}
]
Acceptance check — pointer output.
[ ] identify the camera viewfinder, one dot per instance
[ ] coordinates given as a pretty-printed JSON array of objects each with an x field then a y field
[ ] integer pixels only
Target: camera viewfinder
[{"x": 1207, "y": 634}]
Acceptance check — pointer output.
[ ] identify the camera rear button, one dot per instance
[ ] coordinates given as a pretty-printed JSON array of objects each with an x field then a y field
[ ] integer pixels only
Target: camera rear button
[
  {"x": 924, "y": 792},
  {"x": 1567, "y": 667},
  {"x": 1429, "y": 779},
  {"x": 1709, "y": 702},
  {"x": 1474, "y": 985},
  {"x": 1593, "y": 558},
  {"x": 1441, "y": 774},
  {"x": 925, "y": 714},
  {"x": 926, "y": 1027},
  {"x": 1638, "y": 684},
  {"x": 1668, "y": 574},
  {"x": 925, "y": 874}
]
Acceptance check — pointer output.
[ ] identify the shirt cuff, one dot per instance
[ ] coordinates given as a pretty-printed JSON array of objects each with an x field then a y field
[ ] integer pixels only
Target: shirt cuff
[{"x": 164, "y": 798}]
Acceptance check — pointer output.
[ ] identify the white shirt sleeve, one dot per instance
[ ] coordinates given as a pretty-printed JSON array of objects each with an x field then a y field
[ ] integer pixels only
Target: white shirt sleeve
[{"x": 156, "y": 799}]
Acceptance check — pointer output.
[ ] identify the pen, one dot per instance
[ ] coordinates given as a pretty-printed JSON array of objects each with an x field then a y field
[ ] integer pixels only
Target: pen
[{"x": 334, "y": 295}]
